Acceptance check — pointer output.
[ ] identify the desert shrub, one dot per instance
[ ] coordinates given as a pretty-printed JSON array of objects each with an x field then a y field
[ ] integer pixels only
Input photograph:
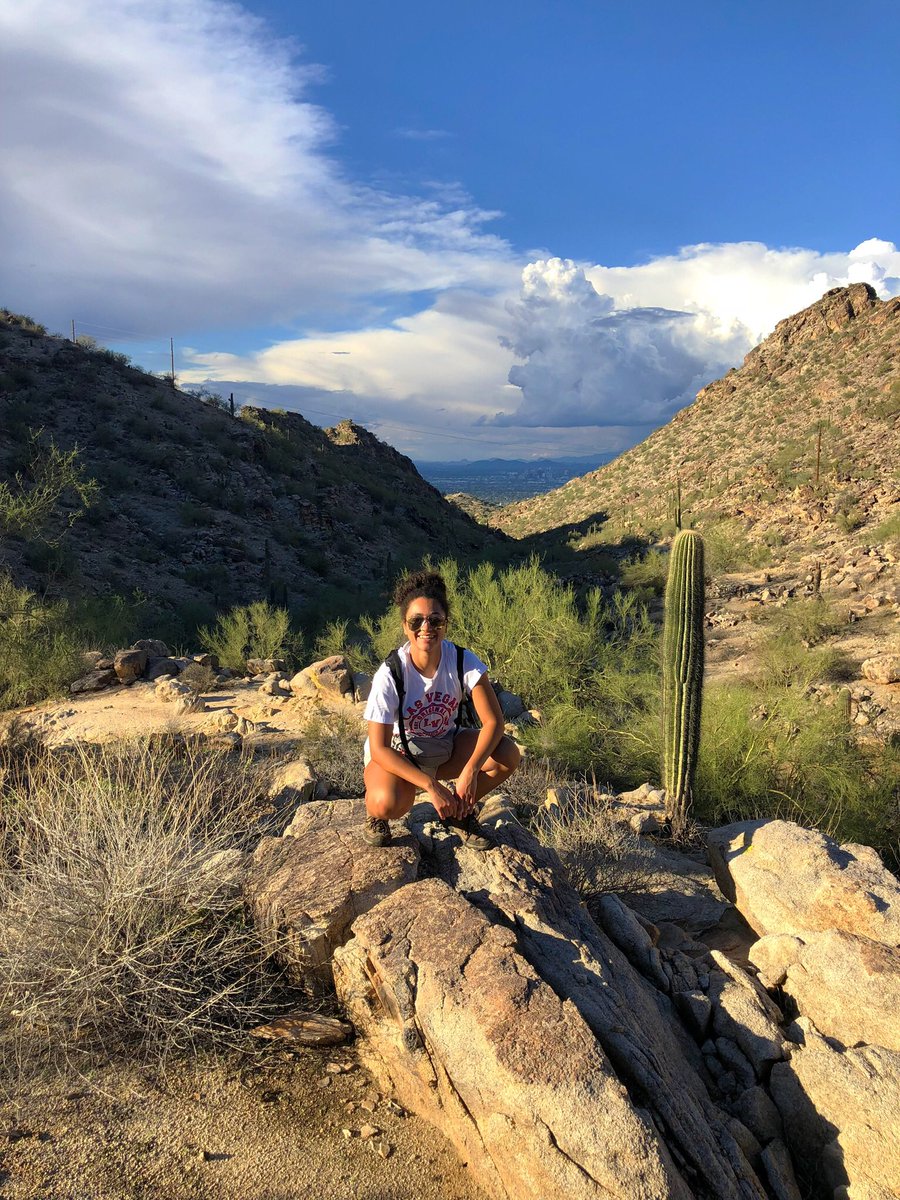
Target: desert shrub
[
  {"x": 808, "y": 621},
  {"x": 256, "y": 630},
  {"x": 335, "y": 637},
  {"x": 117, "y": 937},
  {"x": 784, "y": 662},
  {"x": 790, "y": 653},
  {"x": 333, "y": 745},
  {"x": 600, "y": 854},
  {"x": 729, "y": 548},
  {"x": 40, "y": 650},
  {"x": 888, "y": 531},
  {"x": 888, "y": 405},
  {"x": 779, "y": 753},
  {"x": 29, "y": 504},
  {"x": 647, "y": 572},
  {"x": 199, "y": 678}
]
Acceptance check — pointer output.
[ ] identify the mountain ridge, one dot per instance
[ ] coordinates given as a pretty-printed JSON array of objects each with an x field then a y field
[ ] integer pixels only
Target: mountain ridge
[
  {"x": 200, "y": 508},
  {"x": 746, "y": 449}
]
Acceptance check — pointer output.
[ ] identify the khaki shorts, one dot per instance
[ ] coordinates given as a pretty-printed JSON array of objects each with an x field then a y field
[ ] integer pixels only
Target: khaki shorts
[{"x": 430, "y": 753}]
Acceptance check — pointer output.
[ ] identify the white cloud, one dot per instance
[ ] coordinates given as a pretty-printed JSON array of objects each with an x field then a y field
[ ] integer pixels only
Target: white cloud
[
  {"x": 164, "y": 169},
  {"x": 586, "y": 363},
  {"x": 163, "y": 165},
  {"x": 557, "y": 366}
]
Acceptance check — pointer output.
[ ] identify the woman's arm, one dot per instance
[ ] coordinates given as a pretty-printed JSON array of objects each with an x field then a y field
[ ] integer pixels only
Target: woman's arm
[
  {"x": 487, "y": 706},
  {"x": 395, "y": 763}
]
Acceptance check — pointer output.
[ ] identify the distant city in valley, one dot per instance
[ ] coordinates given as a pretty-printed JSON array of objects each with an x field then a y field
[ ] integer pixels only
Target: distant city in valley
[{"x": 503, "y": 480}]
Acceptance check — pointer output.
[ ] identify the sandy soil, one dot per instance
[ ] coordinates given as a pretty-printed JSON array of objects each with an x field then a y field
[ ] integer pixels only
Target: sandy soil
[
  {"x": 267, "y": 1125},
  {"x": 123, "y": 712}
]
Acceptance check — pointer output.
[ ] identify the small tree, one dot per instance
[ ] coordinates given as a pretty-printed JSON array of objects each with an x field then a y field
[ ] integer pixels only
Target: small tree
[
  {"x": 255, "y": 630},
  {"x": 29, "y": 503}
]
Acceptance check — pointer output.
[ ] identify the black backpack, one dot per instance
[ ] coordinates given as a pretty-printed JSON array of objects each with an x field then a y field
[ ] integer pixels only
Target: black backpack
[{"x": 465, "y": 712}]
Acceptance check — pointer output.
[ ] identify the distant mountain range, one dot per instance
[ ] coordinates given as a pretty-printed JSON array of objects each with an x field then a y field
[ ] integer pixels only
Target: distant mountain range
[{"x": 504, "y": 480}]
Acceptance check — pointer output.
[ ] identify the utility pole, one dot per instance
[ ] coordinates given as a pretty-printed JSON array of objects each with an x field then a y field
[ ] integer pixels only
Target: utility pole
[
  {"x": 74, "y": 339},
  {"x": 172, "y": 358}
]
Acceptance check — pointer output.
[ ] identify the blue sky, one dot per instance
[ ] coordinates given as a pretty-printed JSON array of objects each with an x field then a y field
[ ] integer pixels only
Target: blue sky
[{"x": 530, "y": 228}]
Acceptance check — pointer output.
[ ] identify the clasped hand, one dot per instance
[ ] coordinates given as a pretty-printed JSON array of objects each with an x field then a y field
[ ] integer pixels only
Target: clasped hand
[{"x": 453, "y": 802}]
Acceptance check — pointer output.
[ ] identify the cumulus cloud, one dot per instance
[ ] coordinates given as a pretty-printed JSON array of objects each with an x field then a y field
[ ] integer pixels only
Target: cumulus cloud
[
  {"x": 165, "y": 168},
  {"x": 163, "y": 159},
  {"x": 587, "y": 363},
  {"x": 632, "y": 345}
]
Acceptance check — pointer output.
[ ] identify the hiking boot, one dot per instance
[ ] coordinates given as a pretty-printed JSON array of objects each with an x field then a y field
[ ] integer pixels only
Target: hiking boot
[
  {"x": 376, "y": 831},
  {"x": 473, "y": 835}
]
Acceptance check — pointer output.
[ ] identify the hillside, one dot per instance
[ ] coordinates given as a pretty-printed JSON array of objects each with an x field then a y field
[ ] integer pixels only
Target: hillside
[
  {"x": 198, "y": 509},
  {"x": 746, "y": 450}
]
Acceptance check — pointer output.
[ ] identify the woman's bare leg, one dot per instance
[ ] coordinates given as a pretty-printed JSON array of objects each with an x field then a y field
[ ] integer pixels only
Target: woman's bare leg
[{"x": 387, "y": 796}]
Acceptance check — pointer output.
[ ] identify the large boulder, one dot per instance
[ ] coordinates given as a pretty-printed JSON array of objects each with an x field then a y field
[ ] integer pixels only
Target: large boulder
[
  {"x": 129, "y": 665},
  {"x": 332, "y": 674},
  {"x": 789, "y": 880},
  {"x": 848, "y": 986},
  {"x": 469, "y": 1035},
  {"x": 884, "y": 668},
  {"x": 94, "y": 681},
  {"x": 154, "y": 647},
  {"x": 522, "y": 885},
  {"x": 839, "y": 1109},
  {"x": 292, "y": 785},
  {"x": 306, "y": 890}
]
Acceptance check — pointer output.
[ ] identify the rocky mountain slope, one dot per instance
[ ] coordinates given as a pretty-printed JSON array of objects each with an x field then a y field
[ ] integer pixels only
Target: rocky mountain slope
[
  {"x": 798, "y": 448},
  {"x": 197, "y": 508}
]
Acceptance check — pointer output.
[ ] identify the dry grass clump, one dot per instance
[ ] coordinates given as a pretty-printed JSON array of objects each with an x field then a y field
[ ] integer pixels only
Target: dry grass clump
[
  {"x": 333, "y": 745},
  {"x": 601, "y": 854},
  {"x": 118, "y": 934}
]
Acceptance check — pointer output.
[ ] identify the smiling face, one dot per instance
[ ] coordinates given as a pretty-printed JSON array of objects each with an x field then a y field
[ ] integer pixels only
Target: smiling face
[{"x": 431, "y": 629}]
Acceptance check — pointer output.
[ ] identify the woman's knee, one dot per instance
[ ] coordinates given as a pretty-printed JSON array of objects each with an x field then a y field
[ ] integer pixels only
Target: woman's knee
[
  {"x": 389, "y": 801},
  {"x": 507, "y": 754}
]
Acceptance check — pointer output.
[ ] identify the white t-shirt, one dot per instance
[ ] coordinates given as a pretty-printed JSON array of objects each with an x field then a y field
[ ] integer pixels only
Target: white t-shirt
[{"x": 429, "y": 705}]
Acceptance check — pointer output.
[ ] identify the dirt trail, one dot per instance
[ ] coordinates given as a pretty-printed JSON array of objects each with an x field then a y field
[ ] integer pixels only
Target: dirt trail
[{"x": 264, "y": 1126}]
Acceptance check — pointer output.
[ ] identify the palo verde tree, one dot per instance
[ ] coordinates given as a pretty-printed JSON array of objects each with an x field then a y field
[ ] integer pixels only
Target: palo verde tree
[{"x": 682, "y": 672}]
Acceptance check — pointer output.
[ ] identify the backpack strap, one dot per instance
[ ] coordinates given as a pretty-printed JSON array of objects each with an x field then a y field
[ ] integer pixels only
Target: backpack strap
[
  {"x": 395, "y": 666},
  {"x": 462, "y": 686}
]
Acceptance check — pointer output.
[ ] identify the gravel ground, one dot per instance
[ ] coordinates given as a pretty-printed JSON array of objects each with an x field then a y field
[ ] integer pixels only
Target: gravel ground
[{"x": 263, "y": 1126}]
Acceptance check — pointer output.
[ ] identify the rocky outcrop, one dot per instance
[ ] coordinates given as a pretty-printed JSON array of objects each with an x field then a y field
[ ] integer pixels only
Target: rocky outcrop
[
  {"x": 883, "y": 668},
  {"x": 847, "y": 985},
  {"x": 520, "y": 886},
  {"x": 567, "y": 1055},
  {"x": 469, "y": 1035},
  {"x": 831, "y": 919},
  {"x": 306, "y": 890},
  {"x": 839, "y": 1108},
  {"x": 332, "y": 674},
  {"x": 789, "y": 880}
]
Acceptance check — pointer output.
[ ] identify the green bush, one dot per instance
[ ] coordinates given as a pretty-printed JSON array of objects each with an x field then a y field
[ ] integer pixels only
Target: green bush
[
  {"x": 40, "y": 650},
  {"x": 30, "y": 503},
  {"x": 255, "y": 630},
  {"x": 778, "y": 753},
  {"x": 729, "y": 548},
  {"x": 888, "y": 531}
]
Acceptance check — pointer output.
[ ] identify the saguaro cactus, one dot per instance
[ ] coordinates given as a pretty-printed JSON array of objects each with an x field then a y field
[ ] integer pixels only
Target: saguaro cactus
[{"x": 682, "y": 671}]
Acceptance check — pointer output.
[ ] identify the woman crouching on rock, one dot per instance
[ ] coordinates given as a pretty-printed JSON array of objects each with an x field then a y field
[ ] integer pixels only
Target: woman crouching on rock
[{"x": 415, "y": 739}]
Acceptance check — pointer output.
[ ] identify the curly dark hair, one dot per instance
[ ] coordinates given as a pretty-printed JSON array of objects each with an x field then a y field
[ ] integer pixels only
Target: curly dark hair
[{"x": 427, "y": 584}]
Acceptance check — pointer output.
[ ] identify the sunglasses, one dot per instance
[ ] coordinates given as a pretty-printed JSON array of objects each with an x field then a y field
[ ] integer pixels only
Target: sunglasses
[{"x": 415, "y": 623}]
